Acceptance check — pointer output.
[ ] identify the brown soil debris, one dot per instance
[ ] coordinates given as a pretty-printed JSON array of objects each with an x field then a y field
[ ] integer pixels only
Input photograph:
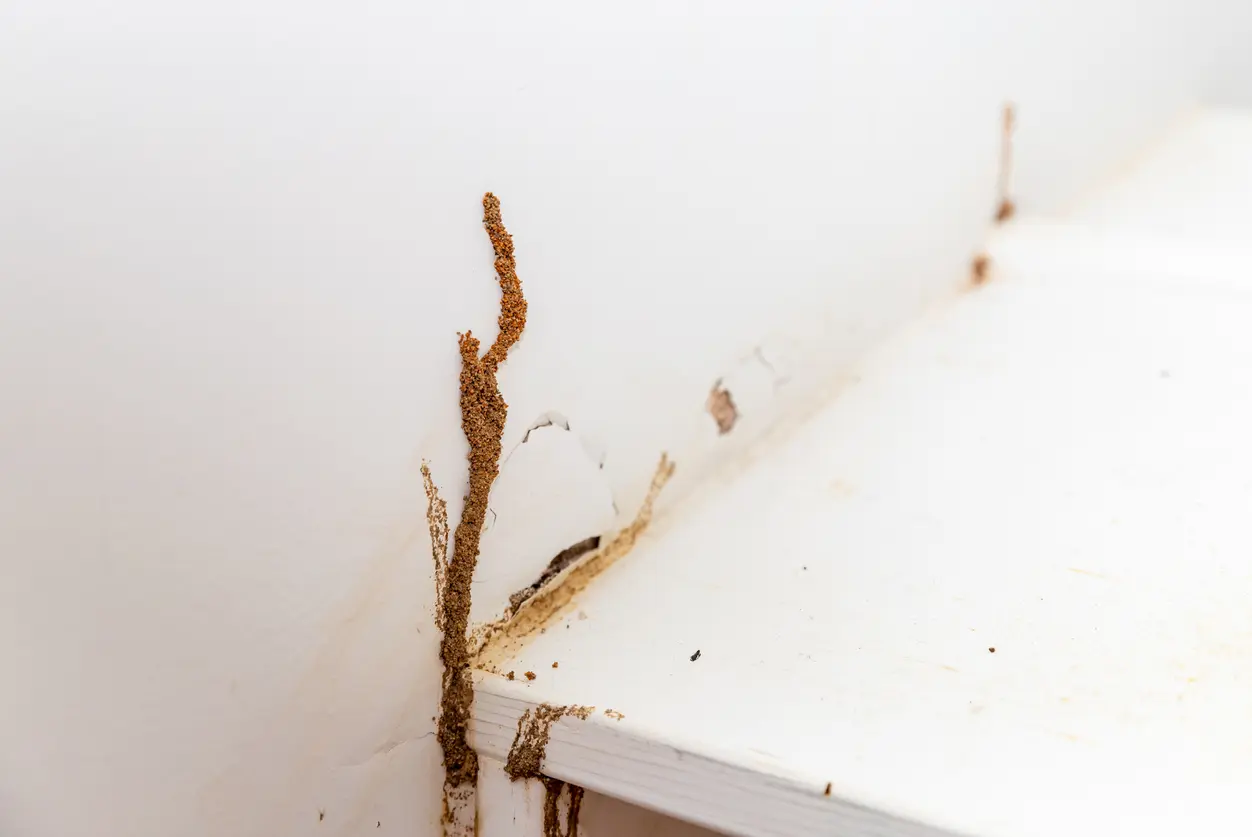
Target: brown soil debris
[
  {"x": 614, "y": 714},
  {"x": 530, "y": 675},
  {"x": 437, "y": 520},
  {"x": 512, "y": 319},
  {"x": 533, "y": 728},
  {"x": 722, "y": 408},
  {"x": 509, "y": 634},
  {"x": 1005, "y": 209},
  {"x": 552, "y": 808},
  {"x": 483, "y": 413}
]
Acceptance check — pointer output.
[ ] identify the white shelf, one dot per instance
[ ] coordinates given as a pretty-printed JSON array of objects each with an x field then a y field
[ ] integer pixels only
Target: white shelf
[{"x": 1057, "y": 466}]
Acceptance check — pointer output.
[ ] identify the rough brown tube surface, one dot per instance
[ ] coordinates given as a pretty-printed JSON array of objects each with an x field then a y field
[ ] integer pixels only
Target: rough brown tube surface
[
  {"x": 483, "y": 413},
  {"x": 533, "y": 728},
  {"x": 552, "y": 808}
]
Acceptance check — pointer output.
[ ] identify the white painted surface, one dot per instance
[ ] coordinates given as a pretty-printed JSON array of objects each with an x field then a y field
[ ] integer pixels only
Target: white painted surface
[
  {"x": 517, "y": 809},
  {"x": 236, "y": 241},
  {"x": 999, "y": 586}
]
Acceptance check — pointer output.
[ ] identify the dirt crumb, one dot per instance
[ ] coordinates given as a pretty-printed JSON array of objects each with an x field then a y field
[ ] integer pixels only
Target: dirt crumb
[
  {"x": 526, "y": 754},
  {"x": 722, "y": 408},
  {"x": 509, "y": 675},
  {"x": 614, "y": 714},
  {"x": 437, "y": 522},
  {"x": 556, "y": 665},
  {"x": 530, "y": 675},
  {"x": 828, "y": 788}
]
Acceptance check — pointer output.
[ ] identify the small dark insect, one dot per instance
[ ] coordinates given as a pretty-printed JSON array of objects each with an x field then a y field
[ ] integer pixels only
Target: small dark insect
[
  {"x": 509, "y": 675},
  {"x": 992, "y": 650},
  {"x": 828, "y": 784},
  {"x": 378, "y": 824},
  {"x": 556, "y": 665},
  {"x": 530, "y": 675},
  {"x": 321, "y": 815},
  {"x": 695, "y": 656}
]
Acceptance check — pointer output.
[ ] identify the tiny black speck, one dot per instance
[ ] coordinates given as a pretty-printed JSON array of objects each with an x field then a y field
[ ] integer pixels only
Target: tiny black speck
[{"x": 695, "y": 656}]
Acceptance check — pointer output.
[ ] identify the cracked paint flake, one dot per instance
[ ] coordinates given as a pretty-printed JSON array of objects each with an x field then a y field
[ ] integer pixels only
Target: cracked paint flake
[
  {"x": 722, "y": 408},
  {"x": 499, "y": 640}
]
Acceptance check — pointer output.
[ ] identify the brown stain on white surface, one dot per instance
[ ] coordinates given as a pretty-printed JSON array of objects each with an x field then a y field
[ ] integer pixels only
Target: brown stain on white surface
[{"x": 1005, "y": 207}]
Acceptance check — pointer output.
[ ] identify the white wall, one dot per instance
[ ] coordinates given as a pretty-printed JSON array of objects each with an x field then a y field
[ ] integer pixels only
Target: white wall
[{"x": 237, "y": 240}]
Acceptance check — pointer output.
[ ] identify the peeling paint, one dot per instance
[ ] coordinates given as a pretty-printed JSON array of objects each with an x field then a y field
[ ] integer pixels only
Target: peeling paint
[
  {"x": 722, "y": 408},
  {"x": 550, "y": 496},
  {"x": 556, "y": 566},
  {"x": 548, "y": 419},
  {"x": 500, "y": 639}
]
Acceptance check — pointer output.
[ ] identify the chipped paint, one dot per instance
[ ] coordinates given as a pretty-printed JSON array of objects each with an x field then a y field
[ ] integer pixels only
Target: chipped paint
[
  {"x": 501, "y": 639},
  {"x": 563, "y": 560},
  {"x": 721, "y": 406}
]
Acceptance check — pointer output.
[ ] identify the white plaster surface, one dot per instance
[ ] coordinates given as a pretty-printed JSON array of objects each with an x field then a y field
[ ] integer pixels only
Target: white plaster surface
[{"x": 237, "y": 240}]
